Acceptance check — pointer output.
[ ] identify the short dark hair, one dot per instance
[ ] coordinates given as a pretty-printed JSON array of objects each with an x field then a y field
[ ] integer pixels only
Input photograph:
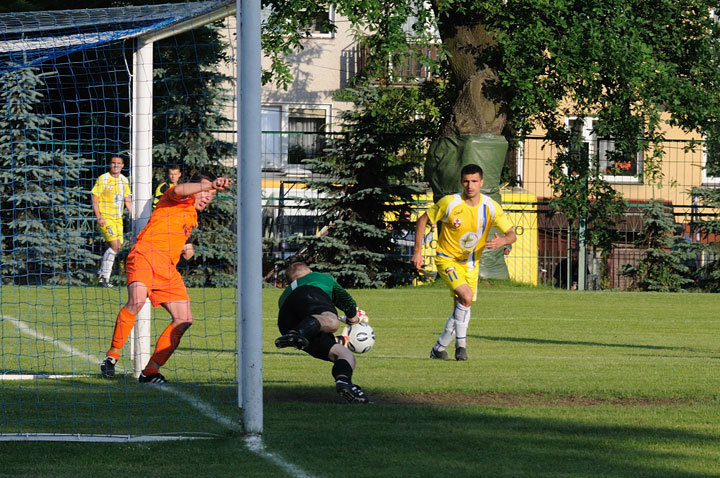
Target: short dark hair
[
  {"x": 471, "y": 169},
  {"x": 199, "y": 176},
  {"x": 173, "y": 166},
  {"x": 293, "y": 269}
]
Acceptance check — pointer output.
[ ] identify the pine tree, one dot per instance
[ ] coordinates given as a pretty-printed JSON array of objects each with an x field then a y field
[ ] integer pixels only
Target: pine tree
[
  {"x": 364, "y": 184},
  {"x": 190, "y": 93},
  {"x": 42, "y": 204},
  {"x": 709, "y": 226},
  {"x": 664, "y": 267}
]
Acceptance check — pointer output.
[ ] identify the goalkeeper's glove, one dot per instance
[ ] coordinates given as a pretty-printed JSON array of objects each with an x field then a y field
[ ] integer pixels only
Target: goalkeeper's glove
[
  {"x": 350, "y": 321},
  {"x": 360, "y": 316}
]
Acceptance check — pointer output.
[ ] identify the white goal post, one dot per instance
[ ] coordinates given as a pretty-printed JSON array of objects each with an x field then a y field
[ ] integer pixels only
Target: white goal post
[
  {"x": 249, "y": 247},
  {"x": 29, "y": 39}
]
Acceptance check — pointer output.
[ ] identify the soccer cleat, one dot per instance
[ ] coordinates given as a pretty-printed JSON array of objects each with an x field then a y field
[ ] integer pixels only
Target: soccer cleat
[
  {"x": 152, "y": 378},
  {"x": 460, "y": 353},
  {"x": 107, "y": 367},
  {"x": 438, "y": 354},
  {"x": 292, "y": 339},
  {"x": 105, "y": 283},
  {"x": 350, "y": 392}
]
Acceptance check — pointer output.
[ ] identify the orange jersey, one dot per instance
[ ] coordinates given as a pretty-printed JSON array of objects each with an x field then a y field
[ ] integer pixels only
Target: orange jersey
[{"x": 168, "y": 229}]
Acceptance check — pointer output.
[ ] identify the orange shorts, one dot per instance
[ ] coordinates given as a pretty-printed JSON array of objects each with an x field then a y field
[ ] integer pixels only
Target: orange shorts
[{"x": 161, "y": 277}]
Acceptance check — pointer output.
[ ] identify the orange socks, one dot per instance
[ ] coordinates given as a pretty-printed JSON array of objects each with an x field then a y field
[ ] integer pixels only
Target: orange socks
[
  {"x": 123, "y": 325},
  {"x": 166, "y": 345}
]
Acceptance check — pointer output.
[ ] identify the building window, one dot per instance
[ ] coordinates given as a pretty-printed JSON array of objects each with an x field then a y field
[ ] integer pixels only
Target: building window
[
  {"x": 304, "y": 124},
  {"x": 271, "y": 151},
  {"x": 614, "y": 165},
  {"x": 291, "y": 133},
  {"x": 320, "y": 27}
]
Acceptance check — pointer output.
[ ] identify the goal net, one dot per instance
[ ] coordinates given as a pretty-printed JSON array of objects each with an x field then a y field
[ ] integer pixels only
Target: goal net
[{"x": 71, "y": 99}]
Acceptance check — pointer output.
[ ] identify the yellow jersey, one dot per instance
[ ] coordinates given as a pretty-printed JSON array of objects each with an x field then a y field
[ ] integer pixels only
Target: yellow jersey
[
  {"x": 465, "y": 228},
  {"x": 111, "y": 193}
]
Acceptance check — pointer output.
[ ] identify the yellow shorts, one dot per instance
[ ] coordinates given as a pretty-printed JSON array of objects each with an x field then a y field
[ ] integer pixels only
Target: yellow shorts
[
  {"x": 456, "y": 273},
  {"x": 113, "y": 229}
]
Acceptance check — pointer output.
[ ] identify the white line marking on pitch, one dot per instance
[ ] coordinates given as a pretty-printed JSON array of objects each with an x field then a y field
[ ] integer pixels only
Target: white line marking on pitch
[
  {"x": 253, "y": 442},
  {"x": 27, "y": 330}
]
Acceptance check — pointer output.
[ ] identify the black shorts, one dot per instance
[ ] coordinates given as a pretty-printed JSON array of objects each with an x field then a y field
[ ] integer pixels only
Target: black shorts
[{"x": 304, "y": 302}]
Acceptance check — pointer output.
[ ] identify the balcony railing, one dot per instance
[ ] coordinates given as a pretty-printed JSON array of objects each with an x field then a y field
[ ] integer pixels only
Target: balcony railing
[{"x": 403, "y": 69}]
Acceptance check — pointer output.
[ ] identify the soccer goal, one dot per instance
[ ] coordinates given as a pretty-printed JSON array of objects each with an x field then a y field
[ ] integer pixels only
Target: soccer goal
[{"x": 157, "y": 87}]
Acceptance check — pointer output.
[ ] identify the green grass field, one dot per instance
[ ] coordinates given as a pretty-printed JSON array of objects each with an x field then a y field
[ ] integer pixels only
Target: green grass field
[{"x": 558, "y": 384}]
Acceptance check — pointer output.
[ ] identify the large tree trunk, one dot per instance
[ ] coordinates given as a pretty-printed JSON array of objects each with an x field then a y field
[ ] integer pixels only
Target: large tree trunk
[
  {"x": 473, "y": 133},
  {"x": 474, "y": 111}
]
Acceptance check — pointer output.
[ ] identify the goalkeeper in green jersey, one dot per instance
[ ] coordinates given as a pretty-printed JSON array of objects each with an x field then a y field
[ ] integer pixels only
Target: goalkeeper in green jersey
[{"x": 308, "y": 319}]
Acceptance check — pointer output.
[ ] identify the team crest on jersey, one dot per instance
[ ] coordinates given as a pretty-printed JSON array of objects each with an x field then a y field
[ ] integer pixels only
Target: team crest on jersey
[
  {"x": 457, "y": 222},
  {"x": 469, "y": 240}
]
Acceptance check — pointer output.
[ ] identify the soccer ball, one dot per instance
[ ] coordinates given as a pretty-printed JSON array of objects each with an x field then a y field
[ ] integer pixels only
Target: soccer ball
[{"x": 361, "y": 337}]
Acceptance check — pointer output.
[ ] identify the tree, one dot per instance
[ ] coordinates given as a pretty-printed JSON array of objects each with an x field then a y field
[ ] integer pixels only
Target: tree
[
  {"x": 514, "y": 65},
  {"x": 664, "y": 267},
  {"x": 519, "y": 64},
  {"x": 709, "y": 228},
  {"x": 522, "y": 63},
  {"x": 365, "y": 183},
  {"x": 190, "y": 93},
  {"x": 42, "y": 204}
]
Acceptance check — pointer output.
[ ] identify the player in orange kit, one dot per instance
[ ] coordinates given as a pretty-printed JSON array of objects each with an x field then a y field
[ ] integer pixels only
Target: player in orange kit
[{"x": 151, "y": 272}]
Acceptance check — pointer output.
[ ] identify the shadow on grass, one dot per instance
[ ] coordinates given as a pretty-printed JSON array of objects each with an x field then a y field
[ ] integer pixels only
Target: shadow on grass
[
  {"x": 419, "y": 440},
  {"x": 527, "y": 340}
]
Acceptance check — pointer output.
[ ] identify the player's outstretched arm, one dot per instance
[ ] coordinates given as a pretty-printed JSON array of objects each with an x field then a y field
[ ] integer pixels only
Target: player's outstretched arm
[{"x": 188, "y": 189}]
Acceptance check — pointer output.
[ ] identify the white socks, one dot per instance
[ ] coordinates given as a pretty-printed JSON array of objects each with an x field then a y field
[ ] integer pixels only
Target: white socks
[
  {"x": 455, "y": 327},
  {"x": 447, "y": 334},
  {"x": 461, "y": 314},
  {"x": 106, "y": 264}
]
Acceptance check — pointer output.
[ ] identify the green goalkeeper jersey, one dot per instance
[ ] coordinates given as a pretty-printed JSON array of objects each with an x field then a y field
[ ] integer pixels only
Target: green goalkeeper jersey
[{"x": 327, "y": 283}]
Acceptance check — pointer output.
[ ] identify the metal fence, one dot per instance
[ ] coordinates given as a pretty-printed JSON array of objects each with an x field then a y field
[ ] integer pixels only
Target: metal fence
[{"x": 546, "y": 252}]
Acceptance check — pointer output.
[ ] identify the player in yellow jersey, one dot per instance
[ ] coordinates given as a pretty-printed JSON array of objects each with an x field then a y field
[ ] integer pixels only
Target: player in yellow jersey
[
  {"x": 465, "y": 220},
  {"x": 109, "y": 195}
]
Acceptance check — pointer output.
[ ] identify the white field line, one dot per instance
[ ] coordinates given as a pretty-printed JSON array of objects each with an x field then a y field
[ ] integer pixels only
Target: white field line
[
  {"x": 254, "y": 443},
  {"x": 27, "y": 330},
  {"x": 25, "y": 376}
]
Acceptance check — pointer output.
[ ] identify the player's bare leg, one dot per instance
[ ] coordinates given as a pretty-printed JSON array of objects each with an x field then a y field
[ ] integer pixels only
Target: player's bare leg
[{"x": 307, "y": 329}]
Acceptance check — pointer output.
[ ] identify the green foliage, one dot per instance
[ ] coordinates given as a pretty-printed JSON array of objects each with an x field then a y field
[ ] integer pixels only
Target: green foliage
[
  {"x": 42, "y": 206},
  {"x": 709, "y": 228},
  {"x": 190, "y": 93},
  {"x": 624, "y": 61},
  {"x": 584, "y": 196},
  {"x": 364, "y": 183},
  {"x": 664, "y": 267}
]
